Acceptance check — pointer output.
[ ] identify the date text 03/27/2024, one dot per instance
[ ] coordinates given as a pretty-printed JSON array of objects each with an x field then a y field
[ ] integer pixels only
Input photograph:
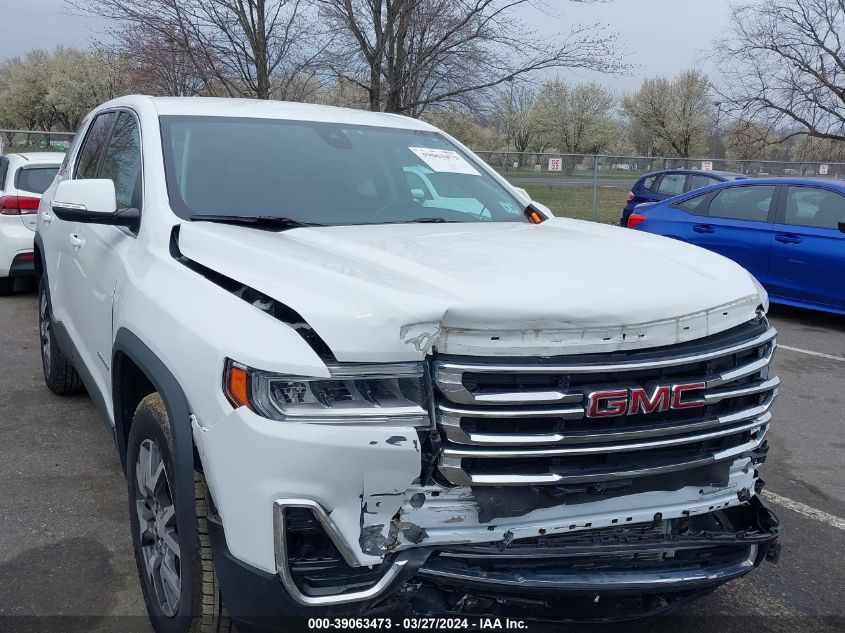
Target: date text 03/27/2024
[{"x": 418, "y": 624}]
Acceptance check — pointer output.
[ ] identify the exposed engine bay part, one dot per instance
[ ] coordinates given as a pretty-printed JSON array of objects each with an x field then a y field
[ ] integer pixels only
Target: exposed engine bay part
[
  {"x": 455, "y": 515},
  {"x": 504, "y": 502}
]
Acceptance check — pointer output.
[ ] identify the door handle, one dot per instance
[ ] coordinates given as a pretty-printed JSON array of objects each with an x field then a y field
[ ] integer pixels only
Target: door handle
[
  {"x": 47, "y": 217},
  {"x": 788, "y": 238},
  {"x": 75, "y": 241},
  {"x": 703, "y": 228}
]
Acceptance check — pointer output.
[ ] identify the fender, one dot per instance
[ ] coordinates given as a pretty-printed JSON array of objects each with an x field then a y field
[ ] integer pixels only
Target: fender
[{"x": 179, "y": 412}]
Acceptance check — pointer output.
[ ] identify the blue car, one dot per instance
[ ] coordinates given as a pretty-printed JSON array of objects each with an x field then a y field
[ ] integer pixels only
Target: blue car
[
  {"x": 788, "y": 232},
  {"x": 661, "y": 185}
]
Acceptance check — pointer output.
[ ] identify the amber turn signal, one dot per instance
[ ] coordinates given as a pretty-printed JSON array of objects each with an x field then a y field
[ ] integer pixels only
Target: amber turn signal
[{"x": 237, "y": 385}]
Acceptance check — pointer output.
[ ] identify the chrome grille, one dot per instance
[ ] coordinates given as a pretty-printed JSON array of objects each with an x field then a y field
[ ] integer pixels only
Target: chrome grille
[{"x": 525, "y": 421}]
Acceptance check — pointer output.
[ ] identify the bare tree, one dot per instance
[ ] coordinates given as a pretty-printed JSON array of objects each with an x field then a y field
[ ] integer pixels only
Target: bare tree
[
  {"x": 409, "y": 55},
  {"x": 160, "y": 66},
  {"x": 783, "y": 64},
  {"x": 747, "y": 140},
  {"x": 812, "y": 148},
  {"x": 257, "y": 48},
  {"x": 677, "y": 114}
]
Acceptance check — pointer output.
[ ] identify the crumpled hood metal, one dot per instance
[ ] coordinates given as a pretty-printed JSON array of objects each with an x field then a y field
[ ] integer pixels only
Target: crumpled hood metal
[{"x": 491, "y": 289}]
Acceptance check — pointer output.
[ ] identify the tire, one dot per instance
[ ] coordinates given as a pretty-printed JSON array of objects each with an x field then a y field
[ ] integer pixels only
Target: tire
[
  {"x": 195, "y": 605},
  {"x": 7, "y": 286},
  {"x": 59, "y": 375}
]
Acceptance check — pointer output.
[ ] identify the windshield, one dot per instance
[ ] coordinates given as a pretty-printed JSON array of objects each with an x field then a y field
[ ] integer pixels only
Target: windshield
[{"x": 325, "y": 173}]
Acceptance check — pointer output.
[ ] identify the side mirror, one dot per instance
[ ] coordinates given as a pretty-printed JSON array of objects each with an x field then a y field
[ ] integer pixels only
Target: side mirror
[
  {"x": 91, "y": 201},
  {"x": 417, "y": 194},
  {"x": 543, "y": 209},
  {"x": 523, "y": 192},
  {"x": 842, "y": 225}
]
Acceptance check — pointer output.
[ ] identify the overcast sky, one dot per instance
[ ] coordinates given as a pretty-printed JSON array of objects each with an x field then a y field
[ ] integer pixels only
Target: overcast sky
[{"x": 661, "y": 37}]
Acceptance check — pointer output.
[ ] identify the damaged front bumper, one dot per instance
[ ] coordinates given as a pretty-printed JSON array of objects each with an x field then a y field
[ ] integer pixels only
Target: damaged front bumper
[
  {"x": 370, "y": 534},
  {"x": 664, "y": 562}
]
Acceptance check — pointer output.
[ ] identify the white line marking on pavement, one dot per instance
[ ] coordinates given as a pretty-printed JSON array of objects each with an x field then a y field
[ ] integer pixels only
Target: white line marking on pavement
[
  {"x": 806, "y": 351},
  {"x": 807, "y": 511}
]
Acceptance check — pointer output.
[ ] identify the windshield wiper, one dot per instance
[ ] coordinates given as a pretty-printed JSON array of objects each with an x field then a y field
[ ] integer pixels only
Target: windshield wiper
[
  {"x": 260, "y": 221},
  {"x": 424, "y": 221}
]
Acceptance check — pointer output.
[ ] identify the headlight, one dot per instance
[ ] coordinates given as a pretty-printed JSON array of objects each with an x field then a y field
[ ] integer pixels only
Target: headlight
[{"x": 395, "y": 393}]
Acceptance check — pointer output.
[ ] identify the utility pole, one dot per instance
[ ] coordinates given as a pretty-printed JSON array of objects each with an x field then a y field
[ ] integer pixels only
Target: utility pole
[
  {"x": 717, "y": 146},
  {"x": 510, "y": 80},
  {"x": 511, "y": 133}
]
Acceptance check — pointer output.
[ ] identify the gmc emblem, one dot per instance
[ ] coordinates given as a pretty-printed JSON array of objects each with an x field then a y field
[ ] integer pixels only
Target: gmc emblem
[{"x": 610, "y": 404}]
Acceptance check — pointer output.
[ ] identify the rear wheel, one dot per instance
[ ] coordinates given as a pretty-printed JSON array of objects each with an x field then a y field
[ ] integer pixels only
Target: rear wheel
[
  {"x": 7, "y": 286},
  {"x": 178, "y": 583},
  {"x": 59, "y": 374}
]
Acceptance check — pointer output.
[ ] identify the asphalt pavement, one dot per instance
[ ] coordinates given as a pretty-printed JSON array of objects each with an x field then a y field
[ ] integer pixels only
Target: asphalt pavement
[{"x": 66, "y": 561}]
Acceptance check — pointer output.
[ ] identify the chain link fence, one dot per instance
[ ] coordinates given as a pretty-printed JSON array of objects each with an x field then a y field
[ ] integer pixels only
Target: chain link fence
[
  {"x": 17, "y": 141},
  {"x": 592, "y": 187}
]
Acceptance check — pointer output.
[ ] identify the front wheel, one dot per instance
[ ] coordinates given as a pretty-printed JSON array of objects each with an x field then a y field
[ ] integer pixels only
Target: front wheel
[{"x": 178, "y": 582}]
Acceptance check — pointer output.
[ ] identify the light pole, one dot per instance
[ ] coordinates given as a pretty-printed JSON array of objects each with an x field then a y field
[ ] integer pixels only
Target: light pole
[
  {"x": 717, "y": 145},
  {"x": 510, "y": 111},
  {"x": 511, "y": 127}
]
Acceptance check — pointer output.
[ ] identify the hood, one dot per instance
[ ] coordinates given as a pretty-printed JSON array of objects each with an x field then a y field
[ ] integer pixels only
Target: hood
[{"x": 391, "y": 292}]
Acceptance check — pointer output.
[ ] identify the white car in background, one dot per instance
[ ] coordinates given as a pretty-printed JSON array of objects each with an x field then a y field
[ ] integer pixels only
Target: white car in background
[{"x": 23, "y": 178}]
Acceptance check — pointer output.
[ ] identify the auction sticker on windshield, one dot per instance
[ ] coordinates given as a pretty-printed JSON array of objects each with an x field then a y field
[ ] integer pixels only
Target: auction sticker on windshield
[{"x": 445, "y": 160}]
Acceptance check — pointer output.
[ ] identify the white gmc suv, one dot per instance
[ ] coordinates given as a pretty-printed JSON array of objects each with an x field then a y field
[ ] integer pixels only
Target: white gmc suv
[{"x": 351, "y": 370}]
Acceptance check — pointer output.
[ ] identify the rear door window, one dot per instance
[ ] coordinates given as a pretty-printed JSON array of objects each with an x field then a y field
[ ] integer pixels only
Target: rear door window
[
  {"x": 648, "y": 182},
  {"x": 743, "y": 203},
  {"x": 697, "y": 181},
  {"x": 672, "y": 184},
  {"x": 36, "y": 179},
  {"x": 815, "y": 207},
  {"x": 694, "y": 205}
]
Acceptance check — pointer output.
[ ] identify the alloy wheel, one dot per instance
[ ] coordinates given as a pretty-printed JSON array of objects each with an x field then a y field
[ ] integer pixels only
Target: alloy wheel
[
  {"x": 44, "y": 330},
  {"x": 159, "y": 539}
]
